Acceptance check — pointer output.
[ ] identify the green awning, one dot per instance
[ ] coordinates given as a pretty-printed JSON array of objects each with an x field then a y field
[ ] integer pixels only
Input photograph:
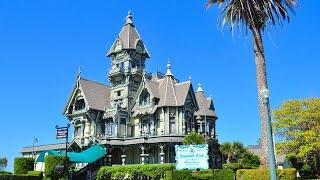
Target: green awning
[{"x": 89, "y": 155}]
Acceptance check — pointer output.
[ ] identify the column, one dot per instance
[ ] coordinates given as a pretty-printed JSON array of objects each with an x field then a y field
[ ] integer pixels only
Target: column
[
  {"x": 123, "y": 156},
  {"x": 142, "y": 155},
  {"x": 161, "y": 153}
]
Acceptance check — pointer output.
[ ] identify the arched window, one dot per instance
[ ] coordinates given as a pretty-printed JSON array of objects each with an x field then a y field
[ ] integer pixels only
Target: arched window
[
  {"x": 188, "y": 121},
  {"x": 78, "y": 128},
  {"x": 79, "y": 104},
  {"x": 145, "y": 98}
]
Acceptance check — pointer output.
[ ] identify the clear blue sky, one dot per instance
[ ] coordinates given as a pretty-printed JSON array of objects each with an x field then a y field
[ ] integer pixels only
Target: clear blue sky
[{"x": 42, "y": 43}]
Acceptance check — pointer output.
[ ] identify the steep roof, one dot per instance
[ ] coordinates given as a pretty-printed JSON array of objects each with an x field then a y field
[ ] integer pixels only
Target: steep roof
[
  {"x": 96, "y": 94},
  {"x": 128, "y": 36},
  {"x": 205, "y": 104}
]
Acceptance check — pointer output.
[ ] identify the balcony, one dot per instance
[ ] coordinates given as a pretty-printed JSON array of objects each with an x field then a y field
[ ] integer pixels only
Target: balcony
[{"x": 116, "y": 71}]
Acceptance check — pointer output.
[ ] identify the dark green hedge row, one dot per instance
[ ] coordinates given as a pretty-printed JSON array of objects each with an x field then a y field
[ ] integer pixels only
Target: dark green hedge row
[
  {"x": 50, "y": 163},
  {"x": 35, "y": 173},
  {"x": 217, "y": 174},
  {"x": 5, "y": 172},
  {"x": 22, "y": 165},
  {"x": 223, "y": 174},
  {"x": 261, "y": 174},
  {"x": 154, "y": 172},
  {"x": 19, "y": 177}
]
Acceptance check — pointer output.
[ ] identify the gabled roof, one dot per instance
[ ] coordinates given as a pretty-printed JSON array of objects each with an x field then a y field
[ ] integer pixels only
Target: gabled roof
[
  {"x": 206, "y": 107},
  {"x": 128, "y": 36},
  {"x": 96, "y": 95},
  {"x": 152, "y": 87}
]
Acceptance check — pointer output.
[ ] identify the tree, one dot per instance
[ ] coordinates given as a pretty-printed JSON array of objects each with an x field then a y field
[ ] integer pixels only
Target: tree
[
  {"x": 250, "y": 160},
  {"x": 232, "y": 151},
  {"x": 193, "y": 138},
  {"x": 297, "y": 125},
  {"x": 3, "y": 163},
  {"x": 255, "y": 15}
]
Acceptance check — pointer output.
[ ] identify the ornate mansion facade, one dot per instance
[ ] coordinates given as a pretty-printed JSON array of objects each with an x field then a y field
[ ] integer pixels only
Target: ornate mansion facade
[{"x": 140, "y": 116}]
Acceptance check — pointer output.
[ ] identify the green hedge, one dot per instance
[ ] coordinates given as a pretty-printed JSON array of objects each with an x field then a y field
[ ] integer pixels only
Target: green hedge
[
  {"x": 262, "y": 174},
  {"x": 189, "y": 175},
  {"x": 5, "y": 172},
  {"x": 35, "y": 173},
  {"x": 19, "y": 177},
  {"x": 178, "y": 175},
  {"x": 154, "y": 172},
  {"x": 22, "y": 165},
  {"x": 50, "y": 163},
  {"x": 223, "y": 174}
]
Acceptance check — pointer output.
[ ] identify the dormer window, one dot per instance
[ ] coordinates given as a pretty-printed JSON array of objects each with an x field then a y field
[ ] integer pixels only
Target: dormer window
[
  {"x": 145, "y": 99},
  {"x": 79, "y": 104}
]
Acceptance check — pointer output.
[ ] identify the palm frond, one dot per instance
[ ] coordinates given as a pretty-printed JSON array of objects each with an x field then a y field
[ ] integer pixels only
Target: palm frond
[{"x": 253, "y": 13}]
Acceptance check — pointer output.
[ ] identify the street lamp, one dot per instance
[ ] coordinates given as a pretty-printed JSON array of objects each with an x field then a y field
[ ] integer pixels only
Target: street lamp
[{"x": 265, "y": 99}]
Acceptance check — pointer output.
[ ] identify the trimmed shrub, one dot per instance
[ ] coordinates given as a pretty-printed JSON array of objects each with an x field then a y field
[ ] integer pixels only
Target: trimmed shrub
[
  {"x": 179, "y": 175},
  {"x": 189, "y": 175},
  {"x": 5, "y": 172},
  {"x": 22, "y": 165},
  {"x": 223, "y": 174},
  {"x": 202, "y": 175},
  {"x": 35, "y": 173},
  {"x": 19, "y": 177},
  {"x": 261, "y": 174},
  {"x": 50, "y": 164},
  {"x": 232, "y": 166},
  {"x": 134, "y": 171}
]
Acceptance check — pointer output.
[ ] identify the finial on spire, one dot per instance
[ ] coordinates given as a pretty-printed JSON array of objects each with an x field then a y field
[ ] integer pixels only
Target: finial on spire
[
  {"x": 169, "y": 73},
  {"x": 190, "y": 78},
  {"x": 79, "y": 73},
  {"x": 129, "y": 18},
  {"x": 200, "y": 88}
]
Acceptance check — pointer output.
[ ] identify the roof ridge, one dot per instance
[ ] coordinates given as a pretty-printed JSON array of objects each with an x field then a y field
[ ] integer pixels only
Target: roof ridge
[
  {"x": 183, "y": 82},
  {"x": 165, "y": 95},
  {"x": 174, "y": 92},
  {"x": 43, "y": 145},
  {"x": 93, "y": 81}
]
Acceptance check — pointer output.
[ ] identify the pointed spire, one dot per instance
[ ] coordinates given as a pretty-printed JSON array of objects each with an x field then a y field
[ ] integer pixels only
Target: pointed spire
[
  {"x": 190, "y": 78},
  {"x": 200, "y": 88},
  {"x": 129, "y": 18},
  {"x": 79, "y": 73},
  {"x": 169, "y": 73}
]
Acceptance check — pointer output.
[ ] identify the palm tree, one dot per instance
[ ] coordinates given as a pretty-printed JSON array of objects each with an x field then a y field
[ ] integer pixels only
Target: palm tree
[
  {"x": 255, "y": 15},
  {"x": 232, "y": 151}
]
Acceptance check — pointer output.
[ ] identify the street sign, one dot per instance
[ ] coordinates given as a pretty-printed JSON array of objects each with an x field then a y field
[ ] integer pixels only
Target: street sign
[
  {"x": 192, "y": 157},
  {"x": 62, "y": 133}
]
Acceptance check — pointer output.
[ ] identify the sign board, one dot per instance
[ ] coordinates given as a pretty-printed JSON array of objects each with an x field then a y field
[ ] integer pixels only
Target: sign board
[
  {"x": 62, "y": 133},
  {"x": 192, "y": 157}
]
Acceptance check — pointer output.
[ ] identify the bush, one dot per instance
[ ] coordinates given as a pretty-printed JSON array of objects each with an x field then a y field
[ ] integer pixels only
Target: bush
[
  {"x": 19, "y": 177},
  {"x": 202, "y": 175},
  {"x": 223, "y": 174},
  {"x": 179, "y": 175},
  {"x": 5, "y": 172},
  {"x": 23, "y": 165},
  {"x": 253, "y": 174},
  {"x": 189, "y": 175},
  {"x": 35, "y": 173},
  {"x": 232, "y": 166},
  {"x": 134, "y": 171},
  {"x": 50, "y": 163}
]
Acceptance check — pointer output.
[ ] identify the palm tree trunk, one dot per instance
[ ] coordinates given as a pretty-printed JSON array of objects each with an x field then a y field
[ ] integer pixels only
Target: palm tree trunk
[{"x": 261, "y": 83}]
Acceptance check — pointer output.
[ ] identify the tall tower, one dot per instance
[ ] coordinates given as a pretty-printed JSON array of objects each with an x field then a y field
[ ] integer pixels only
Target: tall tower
[{"x": 128, "y": 54}]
